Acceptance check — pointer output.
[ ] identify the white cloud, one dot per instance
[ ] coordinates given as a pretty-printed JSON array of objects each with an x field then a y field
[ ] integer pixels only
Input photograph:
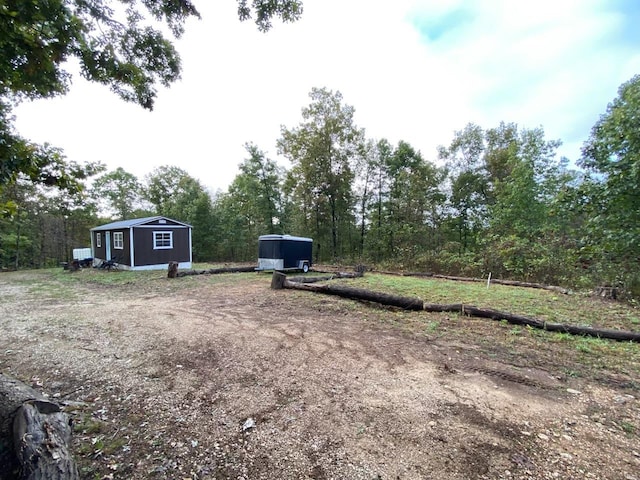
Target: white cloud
[{"x": 555, "y": 64}]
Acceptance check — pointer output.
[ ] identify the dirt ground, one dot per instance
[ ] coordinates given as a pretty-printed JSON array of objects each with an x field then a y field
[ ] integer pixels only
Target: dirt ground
[{"x": 210, "y": 378}]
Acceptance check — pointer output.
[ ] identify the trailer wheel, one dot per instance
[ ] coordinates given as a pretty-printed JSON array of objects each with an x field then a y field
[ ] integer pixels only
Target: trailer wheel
[{"x": 305, "y": 267}]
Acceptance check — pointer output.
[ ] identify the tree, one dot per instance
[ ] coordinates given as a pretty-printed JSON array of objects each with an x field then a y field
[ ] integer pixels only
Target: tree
[
  {"x": 256, "y": 193},
  {"x": 468, "y": 183},
  {"x": 611, "y": 156},
  {"x": 321, "y": 150},
  {"x": 115, "y": 45},
  {"x": 176, "y": 194},
  {"x": 525, "y": 177},
  {"x": 46, "y": 222},
  {"x": 414, "y": 194},
  {"x": 165, "y": 185},
  {"x": 118, "y": 192}
]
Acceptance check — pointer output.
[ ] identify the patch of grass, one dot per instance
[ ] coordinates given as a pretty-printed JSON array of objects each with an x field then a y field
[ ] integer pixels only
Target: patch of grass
[
  {"x": 88, "y": 425},
  {"x": 628, "y": 427},
  {"x": 541, "y": 304},
  {"x": 432, "y": 326}
]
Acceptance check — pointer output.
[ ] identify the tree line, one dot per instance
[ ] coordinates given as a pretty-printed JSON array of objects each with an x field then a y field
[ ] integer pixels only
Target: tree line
[{"x": 494, "y": 200}]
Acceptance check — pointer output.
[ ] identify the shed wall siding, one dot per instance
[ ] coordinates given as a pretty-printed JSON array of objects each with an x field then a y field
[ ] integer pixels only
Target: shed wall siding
[
  {"x": 144, "y": 254},
  {"x": 122, "y": 256},
  {"x": 101, "y": 251}
]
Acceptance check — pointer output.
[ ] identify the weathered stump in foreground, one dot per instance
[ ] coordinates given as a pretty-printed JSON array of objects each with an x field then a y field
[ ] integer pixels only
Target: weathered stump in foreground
[
  {"x": 278, "y": 280},
  {"x": 173, "y": 270},
  {"x": 35, "y": 435}
]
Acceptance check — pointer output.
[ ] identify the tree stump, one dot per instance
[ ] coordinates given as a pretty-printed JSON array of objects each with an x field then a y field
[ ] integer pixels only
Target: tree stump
[
  {"x": 35, "y": 435},
  {"x": 173, "y": 270},
  {"x": 610, "y": 293},
  {"x": 277, "y": 280}
]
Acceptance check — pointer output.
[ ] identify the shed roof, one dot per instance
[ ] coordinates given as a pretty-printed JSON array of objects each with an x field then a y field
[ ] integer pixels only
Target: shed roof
[{"x": 134, "y": 222}]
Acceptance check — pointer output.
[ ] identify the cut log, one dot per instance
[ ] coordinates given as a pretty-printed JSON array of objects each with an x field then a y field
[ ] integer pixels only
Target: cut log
[
  {"x": 406, "y": 303},
  {"x": 303, "y": 279},
  {"x": 42, "y": 437},
  {"x": 173, "y": 270},
  {"x": 610, "y": 293},
  {"x": 410, "y": 303},
  {"x": 278, "y": 280},
  {"x": 512, "y": 283},
  {"x": 324, "y": 278},
  {"x": 35, "y": 435},
  {"x": 215, "y": 271}
]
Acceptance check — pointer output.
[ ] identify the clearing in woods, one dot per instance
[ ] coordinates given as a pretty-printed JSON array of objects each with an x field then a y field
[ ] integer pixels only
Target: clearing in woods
[{"x": 217, "y": 376}]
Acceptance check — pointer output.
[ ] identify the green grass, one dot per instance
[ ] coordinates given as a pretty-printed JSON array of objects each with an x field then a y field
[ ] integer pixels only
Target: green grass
[{"x": 541, "y": 304}]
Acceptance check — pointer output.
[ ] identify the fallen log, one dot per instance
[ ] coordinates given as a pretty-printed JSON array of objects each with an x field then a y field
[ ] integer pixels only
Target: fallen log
[
  {"x": 512, "y": 283},
  {"x": 411, "y": 303},
  {"x": 324, "y": 278},
  {"x": 215, "y": 271},
  {"x": 35, "y": 435},
  {"x": 406, "y": 303}
]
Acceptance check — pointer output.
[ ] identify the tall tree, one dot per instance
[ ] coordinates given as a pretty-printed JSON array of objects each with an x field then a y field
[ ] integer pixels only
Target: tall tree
[
  {"x": 176, "y": 194},
  {"x": 523, "y": 172},
  {"x": 468, "y": 183},
  {"x": 321, "y": 150},
  {"x": 256, "y": 192},
  {"x": 612, "y": 157},
  {"x": 118, "y": 193},
  {"x": 414, "y": 194},
  {"x": 165, "y": 185},
  {"x": 118, "y": 44}
]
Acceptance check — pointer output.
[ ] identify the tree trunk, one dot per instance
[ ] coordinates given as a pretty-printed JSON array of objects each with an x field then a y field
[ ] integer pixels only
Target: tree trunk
[
  {"x": 324, "y": 278},
  {"x": 214, "y": 271},
  {"x": 359, "y": 294},
  {"x": 34, "y": 435},
  {"x": 511, "y": 283},
  {"x": 173, "y": 270},
  {"x": 409, "y": 303},
  {"x": 278, "y": 280}
]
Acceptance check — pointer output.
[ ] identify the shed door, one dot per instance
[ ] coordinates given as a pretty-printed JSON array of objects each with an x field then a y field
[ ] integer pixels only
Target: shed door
[{"x": 107, "y": 245}]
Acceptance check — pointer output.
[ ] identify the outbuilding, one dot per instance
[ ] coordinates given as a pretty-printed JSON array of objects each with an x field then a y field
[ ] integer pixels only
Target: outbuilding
[
  {"x": 148, "y": 243},
  {"x": 284, "y": 252}
]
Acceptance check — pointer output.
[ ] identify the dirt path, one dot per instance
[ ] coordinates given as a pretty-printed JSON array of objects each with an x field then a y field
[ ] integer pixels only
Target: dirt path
[{"x": 229, "y": 379}]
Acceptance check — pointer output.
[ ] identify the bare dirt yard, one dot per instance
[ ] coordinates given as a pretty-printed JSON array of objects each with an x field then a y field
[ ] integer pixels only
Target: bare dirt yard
[{"x": 217, "y": 376}]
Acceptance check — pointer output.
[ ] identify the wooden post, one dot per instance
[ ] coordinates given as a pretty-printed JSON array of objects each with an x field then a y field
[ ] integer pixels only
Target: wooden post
[
  {"x": 277, "y": 280},
  {"x": 173, "y": 270}
]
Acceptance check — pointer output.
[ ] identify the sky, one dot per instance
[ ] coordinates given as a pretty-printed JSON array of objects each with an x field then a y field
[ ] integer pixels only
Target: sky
[{"x": 414, "y": 70}]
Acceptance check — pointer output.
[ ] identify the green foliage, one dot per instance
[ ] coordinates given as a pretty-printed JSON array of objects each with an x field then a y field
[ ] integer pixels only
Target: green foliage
[
  {"x": 115, "y": 43},
  {"x": 256, "y": 192},
  {"x": 120, "y": 190},
  {"x": 319, "y": 185},
  {"x": 612, "y": 191},
  {"x": 265, "y": 10}
]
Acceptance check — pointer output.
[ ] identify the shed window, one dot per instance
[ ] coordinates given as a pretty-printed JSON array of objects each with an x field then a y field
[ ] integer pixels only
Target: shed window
[
  {"x": 98, "y": 240},
  {"x": 162, "y": 240},
  {"x": 118, "y": 240}
]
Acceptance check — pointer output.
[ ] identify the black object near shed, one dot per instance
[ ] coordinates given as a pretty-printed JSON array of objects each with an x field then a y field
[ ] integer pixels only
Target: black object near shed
[{"x": 284, "y": 252}]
